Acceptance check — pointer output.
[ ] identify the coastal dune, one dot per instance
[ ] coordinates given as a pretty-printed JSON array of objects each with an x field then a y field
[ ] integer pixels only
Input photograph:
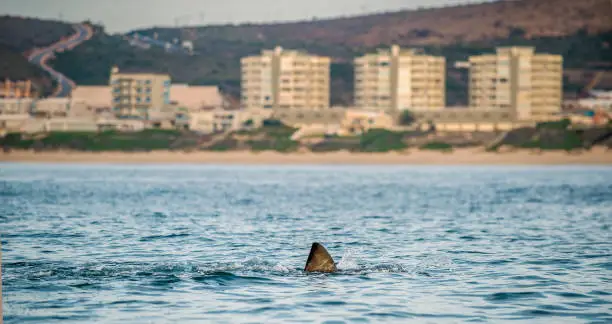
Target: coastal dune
[{"x": 469, "y": 156}]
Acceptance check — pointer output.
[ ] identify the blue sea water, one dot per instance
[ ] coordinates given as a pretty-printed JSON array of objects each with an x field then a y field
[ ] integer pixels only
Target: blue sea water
[{"x": 221, "y": 244}]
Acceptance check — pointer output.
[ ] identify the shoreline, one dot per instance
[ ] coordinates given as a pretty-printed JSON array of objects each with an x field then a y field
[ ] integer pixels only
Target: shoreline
[{"x": 471, "y": 156}]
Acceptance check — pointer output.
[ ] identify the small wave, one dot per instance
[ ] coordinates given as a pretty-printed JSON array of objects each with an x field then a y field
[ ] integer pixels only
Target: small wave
[
  {"x": 224, "y": 277},
  {"x": 162, "y": 237},
  {"x": 572, "y": 295},
  {"x": 507, "y": 296}
]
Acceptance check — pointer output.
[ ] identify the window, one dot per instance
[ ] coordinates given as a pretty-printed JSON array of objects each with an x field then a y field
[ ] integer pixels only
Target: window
[
  {"x": 148, "y": 82},
  {"x": 148, "y": 99}
]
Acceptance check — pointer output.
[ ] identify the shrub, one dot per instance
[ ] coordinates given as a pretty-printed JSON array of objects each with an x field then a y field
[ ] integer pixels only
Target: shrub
[
  {"x": 272, "y": 122},
  {"x": 406, "y": 118},
  {"x": 224, "y": 145},
  {"x": 560, "y": 124},
  {"x": 381, "y": 140},
  {"x": 278, "y": 144}
]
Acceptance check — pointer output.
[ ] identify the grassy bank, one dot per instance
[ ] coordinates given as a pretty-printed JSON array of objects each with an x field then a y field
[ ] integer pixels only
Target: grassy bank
[{"x": 277, "y": 137}]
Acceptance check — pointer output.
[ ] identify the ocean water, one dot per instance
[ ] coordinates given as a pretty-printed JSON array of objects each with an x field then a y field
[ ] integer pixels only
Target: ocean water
[{"x": 221, "y": 244}]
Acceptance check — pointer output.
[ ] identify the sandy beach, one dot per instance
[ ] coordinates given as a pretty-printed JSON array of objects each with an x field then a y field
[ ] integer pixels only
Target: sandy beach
[{"x": 599, "y": 156}]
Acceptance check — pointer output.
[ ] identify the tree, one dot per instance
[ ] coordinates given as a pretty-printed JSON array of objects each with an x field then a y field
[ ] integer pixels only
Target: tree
[{"x": 406, "y": 118}]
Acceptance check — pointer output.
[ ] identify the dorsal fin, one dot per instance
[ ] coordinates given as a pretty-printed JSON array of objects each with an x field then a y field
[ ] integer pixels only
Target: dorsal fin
[{"x": 319, "y": 260}]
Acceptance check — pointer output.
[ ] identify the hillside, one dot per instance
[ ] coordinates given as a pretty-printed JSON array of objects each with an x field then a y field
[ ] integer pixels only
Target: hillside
[
  {"x": 18, "y": 36},
  {"x": 436, "y": 26},
  {"x": 15, "y": 66},
  {"x": 578, "y": 30},
  {"x": 24, "y": 34}
]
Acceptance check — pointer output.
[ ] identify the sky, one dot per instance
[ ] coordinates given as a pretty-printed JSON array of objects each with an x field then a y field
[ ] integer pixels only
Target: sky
[{"x": 125, "y": 15}]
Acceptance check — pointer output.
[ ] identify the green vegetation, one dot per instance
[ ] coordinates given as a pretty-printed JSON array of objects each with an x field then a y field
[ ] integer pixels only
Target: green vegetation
[
  {"x": 15, "y": 66},
  {"x": 406, "y": 118},
  {"x": 549, "y": 136},
  {"x": 224, "y": 145},
  {"x": 554, "y": 136},
  {"x": 381, "y": 140},
  {"x": 561, "y": 124},
  {"x": 273, "y": 136},
  {"x": 19, "y": 35},
  {"x": 27, "y": 33},
  {"x": 278, "y": 144},
  {"x": 336, "y": 143},
  {"x": 558, "y": 140},
  {"x": 103, "y": 141},
  {"x": 436, "y": 146}
]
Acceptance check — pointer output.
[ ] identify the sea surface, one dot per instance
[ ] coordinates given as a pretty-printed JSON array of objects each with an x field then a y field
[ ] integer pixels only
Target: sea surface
[{"x": 227, "y": 244}]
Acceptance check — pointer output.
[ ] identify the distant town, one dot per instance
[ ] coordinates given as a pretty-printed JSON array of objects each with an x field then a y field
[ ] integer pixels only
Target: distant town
[{"x": 397, "y": 89}]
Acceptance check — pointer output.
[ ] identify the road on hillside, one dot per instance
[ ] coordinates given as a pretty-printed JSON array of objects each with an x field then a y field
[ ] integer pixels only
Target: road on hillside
[{"x": 41, "y": 57}]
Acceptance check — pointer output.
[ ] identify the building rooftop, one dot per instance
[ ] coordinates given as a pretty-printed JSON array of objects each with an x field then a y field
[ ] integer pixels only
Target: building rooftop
[{"x": 129, "y": 70}]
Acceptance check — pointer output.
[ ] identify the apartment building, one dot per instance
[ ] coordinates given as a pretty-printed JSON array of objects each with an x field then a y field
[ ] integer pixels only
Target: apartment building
[
  {"x": 16, "y": 89},
  {"x": 518, "y": 80},
  {"x": 16, "y": 106},
  {"x": 396, "y": 79},
  {"x": 136, "y": 94},
  {"x": 285, "y": 79}
]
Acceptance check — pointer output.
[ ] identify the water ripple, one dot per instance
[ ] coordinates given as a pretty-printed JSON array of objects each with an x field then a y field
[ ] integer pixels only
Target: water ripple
[{"x": 228, "y": 244}]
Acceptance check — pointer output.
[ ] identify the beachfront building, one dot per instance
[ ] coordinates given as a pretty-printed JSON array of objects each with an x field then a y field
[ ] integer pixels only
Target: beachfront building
[
  {"x": 285, "y": 79},
  {"x": 95, "y": 100},
  {"x": 16, "y": 89},
  {"x": 16, "y": 106},
  {"x": 138, "y": 93},
  {"x": 396, "y": 79},
  {"x": 195, "y": 98},
  {"x": 516, "y": 79}
]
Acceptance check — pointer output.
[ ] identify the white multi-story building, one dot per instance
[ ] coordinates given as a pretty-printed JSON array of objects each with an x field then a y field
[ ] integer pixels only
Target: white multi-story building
[
  {"x": 285, "y": 79},
  {"x": 399, "y": 79},
  {"x": 516, "y": 79}
]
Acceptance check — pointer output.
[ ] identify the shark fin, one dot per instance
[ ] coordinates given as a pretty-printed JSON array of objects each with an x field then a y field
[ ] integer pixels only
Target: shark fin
[{"x": 319, "y": 260}]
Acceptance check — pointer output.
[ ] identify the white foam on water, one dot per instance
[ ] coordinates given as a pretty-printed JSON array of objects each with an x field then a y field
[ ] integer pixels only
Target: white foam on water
[{"x": 349, "y": 259}]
